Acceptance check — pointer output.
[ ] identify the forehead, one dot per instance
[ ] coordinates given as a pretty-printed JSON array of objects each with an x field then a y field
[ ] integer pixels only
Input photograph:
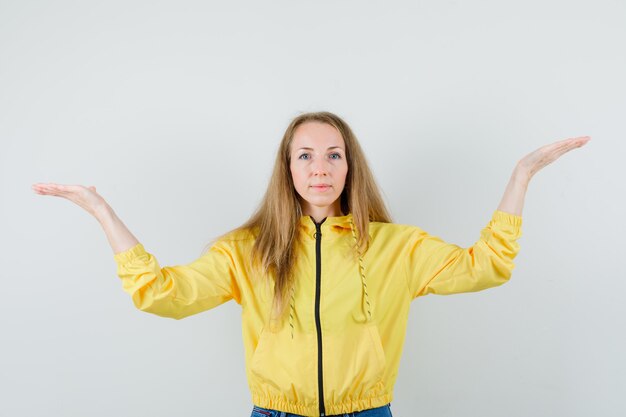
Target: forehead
[{"x": 316, "y": 135}]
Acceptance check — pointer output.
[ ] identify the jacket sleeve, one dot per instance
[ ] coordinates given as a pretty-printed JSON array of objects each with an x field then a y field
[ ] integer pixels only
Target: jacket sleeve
[
  {"x": 434, "y": 266},
  {"x": 182, "y": 290}
]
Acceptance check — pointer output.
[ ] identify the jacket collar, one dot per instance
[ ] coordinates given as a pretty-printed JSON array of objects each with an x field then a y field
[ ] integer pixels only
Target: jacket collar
[{"x": 328, "y": 224}]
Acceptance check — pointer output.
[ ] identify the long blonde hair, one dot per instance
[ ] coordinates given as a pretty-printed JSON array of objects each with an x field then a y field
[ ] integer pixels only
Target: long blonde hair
[{"x": 277, "y": 217}]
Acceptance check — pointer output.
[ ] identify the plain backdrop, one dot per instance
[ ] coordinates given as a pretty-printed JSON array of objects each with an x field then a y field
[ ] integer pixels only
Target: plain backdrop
[{"x": 174, "y": 111}]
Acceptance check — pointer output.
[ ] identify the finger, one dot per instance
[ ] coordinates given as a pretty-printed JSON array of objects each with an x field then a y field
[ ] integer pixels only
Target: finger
[
  {"x": 37, "y": 189},
  {"x": 52, "y": 189},
  {"x": 583, "y": 140},
  {"x": 43, "y": 186},
  {"x": 578, "y": 142},
  {"x": 49, "y": 190},
  {"x": 566, "y": 145},
  {"x": 56, "y": 187},
  {"x": 571, "y": 140}
]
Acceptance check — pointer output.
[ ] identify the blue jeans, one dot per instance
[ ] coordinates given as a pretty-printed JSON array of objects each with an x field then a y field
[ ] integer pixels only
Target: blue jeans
[{"x": 384, "y": 411}]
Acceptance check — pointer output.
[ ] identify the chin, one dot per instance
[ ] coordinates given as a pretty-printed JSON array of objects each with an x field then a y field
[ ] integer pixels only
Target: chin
[{"x": 327, "y": 201}]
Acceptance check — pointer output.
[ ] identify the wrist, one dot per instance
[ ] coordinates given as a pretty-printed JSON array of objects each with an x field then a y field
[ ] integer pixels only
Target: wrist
[
  {"x": 521, "y": 176},
  {"x": 103, "y": 213}
]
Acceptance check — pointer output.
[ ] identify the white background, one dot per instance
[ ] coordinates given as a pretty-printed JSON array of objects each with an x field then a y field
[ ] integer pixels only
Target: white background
[{"x": 174, "y": 111}]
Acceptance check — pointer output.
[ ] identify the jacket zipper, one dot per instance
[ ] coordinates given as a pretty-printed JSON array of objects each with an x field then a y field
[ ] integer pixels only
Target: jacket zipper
[{"x": 318, "y": 281}]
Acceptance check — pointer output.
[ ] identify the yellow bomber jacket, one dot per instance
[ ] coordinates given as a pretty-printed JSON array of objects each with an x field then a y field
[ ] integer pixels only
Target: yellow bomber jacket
[{"x": 340, "y": 348}]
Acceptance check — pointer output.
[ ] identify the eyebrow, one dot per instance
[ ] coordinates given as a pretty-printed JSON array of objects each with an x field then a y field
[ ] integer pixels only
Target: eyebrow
[{"x": 330, "y": 147}]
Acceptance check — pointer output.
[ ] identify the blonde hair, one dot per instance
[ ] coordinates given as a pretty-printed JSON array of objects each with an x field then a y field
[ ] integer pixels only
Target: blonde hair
[{"x": 276, "y": 219}]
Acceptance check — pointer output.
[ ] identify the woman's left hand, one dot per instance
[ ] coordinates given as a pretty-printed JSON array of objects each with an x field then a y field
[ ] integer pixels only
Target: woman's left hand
[
  {"x": 513, "y": 198},
  {"x": 534, "y": 161}
]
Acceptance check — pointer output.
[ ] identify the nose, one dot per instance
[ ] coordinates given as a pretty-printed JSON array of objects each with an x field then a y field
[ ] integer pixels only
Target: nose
[{"x": 320, "y": 168}]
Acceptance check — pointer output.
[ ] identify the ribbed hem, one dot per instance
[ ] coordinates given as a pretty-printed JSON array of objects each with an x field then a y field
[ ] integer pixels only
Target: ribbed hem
[
  {"x": 129, "y": 254},
  {"x": 508, "y": 218},
  {"x": 349, "y": 406}
]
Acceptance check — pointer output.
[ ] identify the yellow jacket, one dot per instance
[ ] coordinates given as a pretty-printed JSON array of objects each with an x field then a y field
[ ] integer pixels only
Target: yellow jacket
[{"x": 340, "y": 349}]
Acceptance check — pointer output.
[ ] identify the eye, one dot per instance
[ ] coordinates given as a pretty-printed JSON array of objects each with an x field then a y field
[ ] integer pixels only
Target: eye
[
  {"x": 338, "y": 155},
  {"x": 301, "y": 156}
]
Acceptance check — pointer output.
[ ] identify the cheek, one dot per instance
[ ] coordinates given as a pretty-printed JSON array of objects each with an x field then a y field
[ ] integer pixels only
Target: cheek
[
  {"x": 344, "y": 173},
  {"x": 296, "y": 178}
]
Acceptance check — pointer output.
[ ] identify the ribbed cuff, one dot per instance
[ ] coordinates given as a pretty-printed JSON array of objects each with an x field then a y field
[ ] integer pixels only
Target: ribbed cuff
[
  {"x": 508, "y": 218},
  {"x": 129, "y": 254}
]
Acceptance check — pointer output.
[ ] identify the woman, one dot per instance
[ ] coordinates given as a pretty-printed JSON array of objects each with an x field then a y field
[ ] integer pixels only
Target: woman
[{"x": 324, "y": 278}]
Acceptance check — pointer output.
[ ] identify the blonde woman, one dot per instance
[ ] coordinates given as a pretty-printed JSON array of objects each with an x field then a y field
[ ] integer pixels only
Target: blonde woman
[{"x": 323, "y": 276}]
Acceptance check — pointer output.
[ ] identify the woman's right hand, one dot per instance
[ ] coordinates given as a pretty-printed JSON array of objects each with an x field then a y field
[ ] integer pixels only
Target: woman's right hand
[
  {"x": 120, "y": 238},
  {"x": 86, "y": 197}
]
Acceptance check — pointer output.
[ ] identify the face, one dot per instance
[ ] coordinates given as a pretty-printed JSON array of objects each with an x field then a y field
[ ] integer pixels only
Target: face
[{"x": 318, "y": 157}]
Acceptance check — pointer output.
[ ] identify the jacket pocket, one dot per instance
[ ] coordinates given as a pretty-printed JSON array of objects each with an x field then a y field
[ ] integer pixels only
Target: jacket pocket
[
  {"x": 284, "y": 367},
  {"x": 354, "y": 363}
]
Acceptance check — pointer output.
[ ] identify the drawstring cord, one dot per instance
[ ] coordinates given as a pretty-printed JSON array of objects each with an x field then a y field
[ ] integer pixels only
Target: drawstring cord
[
  {"x": 291, "y": 311},
  {"x": 368, "y": 316}
]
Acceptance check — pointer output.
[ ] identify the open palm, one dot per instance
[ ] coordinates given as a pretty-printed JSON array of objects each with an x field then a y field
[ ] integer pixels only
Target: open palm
[
  {"x": 86, "y": 197},
  {"x": 536, "y": 160}
]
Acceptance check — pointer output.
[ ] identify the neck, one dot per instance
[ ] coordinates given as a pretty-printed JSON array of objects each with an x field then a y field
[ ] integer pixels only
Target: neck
[{"x": 320, "y": 213}]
